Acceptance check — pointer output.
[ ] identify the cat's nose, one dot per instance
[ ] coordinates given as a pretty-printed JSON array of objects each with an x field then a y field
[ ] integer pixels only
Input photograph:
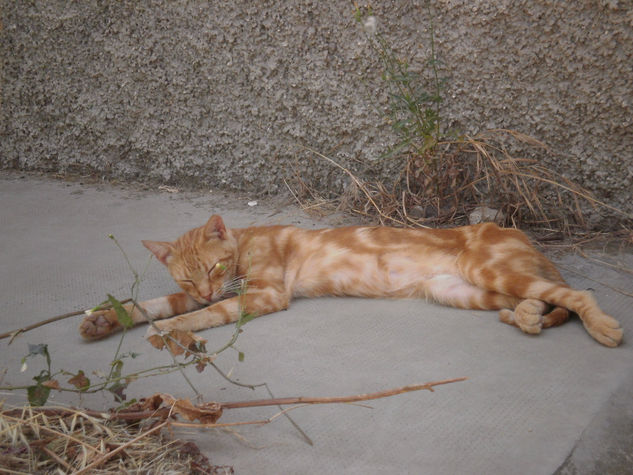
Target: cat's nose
[{"x": 208, "y": 298}]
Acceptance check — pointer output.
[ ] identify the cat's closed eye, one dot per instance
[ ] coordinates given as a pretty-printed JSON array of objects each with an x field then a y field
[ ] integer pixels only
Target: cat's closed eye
[{"x": 219, "y": 267}]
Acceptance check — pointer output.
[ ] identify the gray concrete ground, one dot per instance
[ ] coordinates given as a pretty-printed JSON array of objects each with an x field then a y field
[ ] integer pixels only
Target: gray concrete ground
[{"x": 559, "y": 401}]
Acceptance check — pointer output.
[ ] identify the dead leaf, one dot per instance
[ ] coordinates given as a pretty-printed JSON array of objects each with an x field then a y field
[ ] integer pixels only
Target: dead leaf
[
  {"x": 179, "y": 342},
  {"x": 156, "y": 341},
  {"x": 203, "y": 362},
  {"x": 79, "y": 380},
  {"x": 207, "y": 413},
  {"x": 51, "y": 383},
  {"x": 153, "y": 402}
]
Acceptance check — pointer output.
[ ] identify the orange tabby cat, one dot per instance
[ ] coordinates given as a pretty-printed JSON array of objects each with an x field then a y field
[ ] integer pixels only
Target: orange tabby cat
[{"x": 478, "y": 267}]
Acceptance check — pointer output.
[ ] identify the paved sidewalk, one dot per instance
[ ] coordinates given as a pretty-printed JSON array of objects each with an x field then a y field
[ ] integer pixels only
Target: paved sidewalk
[{"x": 559, "y": 401}]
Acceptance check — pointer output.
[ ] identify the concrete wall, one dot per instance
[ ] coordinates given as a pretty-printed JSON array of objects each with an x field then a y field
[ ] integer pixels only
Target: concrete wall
[{"x": 227, "y": 92}]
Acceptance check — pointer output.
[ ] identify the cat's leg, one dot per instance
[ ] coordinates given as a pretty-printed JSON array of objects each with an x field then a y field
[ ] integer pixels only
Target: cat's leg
[
  {"x": 557, "y": 316},
  {"x": 524, "y": 273},
  {"x": 599, "y": 325},
  {"x": 255, "y": 302},
  {"x": 454, "y": 291},
  {"x": 102, "y": 323},
  {"x": 529, "y": 315}
]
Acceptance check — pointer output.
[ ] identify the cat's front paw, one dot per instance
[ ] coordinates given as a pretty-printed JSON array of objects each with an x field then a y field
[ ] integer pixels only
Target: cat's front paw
[
  {"x": 99, "y": 324},
  {"x": 605, "y": 329}
]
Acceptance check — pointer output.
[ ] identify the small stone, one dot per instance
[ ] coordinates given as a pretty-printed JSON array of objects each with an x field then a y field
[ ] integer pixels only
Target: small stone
[
  {"x": 417, "y": 212},
  {"x": 484, "y": 214}
]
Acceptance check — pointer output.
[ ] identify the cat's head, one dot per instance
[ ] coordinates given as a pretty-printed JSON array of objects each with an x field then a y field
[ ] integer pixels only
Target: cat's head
[{"x": 202, "y": 261}]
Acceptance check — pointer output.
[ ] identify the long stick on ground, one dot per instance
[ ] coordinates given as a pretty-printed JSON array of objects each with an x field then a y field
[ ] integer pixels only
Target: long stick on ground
[
  {"x": 164, "y": 412},
  {"x": 337, "y": 400}
]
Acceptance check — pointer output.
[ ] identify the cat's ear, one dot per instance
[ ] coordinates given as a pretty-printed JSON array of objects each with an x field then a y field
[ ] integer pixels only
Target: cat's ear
[
  {"x": 215, "y": 228},
  {"x": 162, "y": 250}
]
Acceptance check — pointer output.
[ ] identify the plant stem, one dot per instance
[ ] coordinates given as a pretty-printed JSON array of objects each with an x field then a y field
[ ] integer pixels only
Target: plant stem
[
  {"x": 15, "y": 333},
  {"x": 435, "y": 73}
]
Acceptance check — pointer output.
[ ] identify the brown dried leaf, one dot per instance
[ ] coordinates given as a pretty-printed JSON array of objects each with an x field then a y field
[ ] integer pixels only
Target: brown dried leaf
[
  {"x": 203, "y": 362},
  {"x": 79, "y": 380},
  {"x": 156, "y": 341},
  {"x": 207, "y": 413},
  {"x": 189, "y": 340},
  {"x": 153, "y": 402},
  {"x": 51, "y": 383},
  {"x": 179, "y": 342}
]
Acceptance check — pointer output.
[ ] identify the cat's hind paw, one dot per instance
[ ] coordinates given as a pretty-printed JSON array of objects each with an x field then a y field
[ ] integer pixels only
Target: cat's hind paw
[
  {"x": 605, "y": 329},
  {"x": 99, "y": 324},
  {"x": 528, "y": 316}
]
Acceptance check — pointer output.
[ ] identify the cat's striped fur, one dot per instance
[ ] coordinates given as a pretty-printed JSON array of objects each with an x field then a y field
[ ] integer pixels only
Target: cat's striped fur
[{"x": 476, "y": 267}]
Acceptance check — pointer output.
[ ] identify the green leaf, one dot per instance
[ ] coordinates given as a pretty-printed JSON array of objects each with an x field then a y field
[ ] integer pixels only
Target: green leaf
[
  {"x": 117, "y": 387},
  {"x": 117, "y": 366},
  {"x": 122, "y": 315},
  {"x": 98, "y": 307},
  {"x": 37, "y": 394},
  {"x": 240, "y": 356}
]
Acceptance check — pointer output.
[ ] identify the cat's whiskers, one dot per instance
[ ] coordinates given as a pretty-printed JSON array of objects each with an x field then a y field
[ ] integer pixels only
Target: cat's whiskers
[{"x": 235, "y": 285}]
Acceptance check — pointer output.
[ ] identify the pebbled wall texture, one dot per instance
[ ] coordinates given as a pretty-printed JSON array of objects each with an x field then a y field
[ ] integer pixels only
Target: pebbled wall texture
[{"x": 228, "y": 93}]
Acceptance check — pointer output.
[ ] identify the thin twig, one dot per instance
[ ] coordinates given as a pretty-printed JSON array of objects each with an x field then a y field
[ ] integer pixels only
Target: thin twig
[
  {"x": 290, "y": 419},
  {"x": 237, "y": 383},
  {"x": 179, "y": 366},
  {"x": 15, "y": 333}
]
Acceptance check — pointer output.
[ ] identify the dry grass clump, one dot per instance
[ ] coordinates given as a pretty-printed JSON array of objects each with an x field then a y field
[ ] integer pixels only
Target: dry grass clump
[
  {"x": 446, "y": 183},
  {"x": 65, "y": 440}
]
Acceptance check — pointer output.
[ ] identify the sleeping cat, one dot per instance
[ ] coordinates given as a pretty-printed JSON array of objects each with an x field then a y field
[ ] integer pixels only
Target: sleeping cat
[{"x": 476, "y": 267}]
